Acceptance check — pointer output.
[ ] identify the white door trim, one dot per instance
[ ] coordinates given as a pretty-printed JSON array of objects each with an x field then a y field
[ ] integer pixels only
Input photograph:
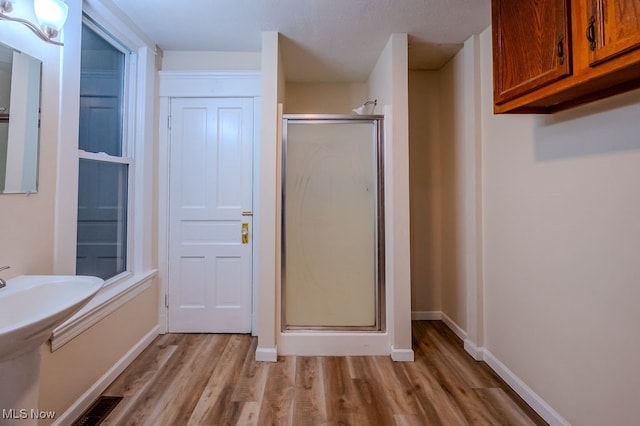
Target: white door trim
[{"x": 207, "y": 84}]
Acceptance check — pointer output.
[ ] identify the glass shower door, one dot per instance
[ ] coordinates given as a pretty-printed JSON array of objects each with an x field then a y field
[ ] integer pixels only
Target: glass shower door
[{"x": 332, "y": 223}]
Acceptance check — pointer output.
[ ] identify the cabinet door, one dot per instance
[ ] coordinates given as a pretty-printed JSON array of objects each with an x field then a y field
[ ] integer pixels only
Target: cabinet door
[
  {"x": 531, "y": 46},
  {"x": 613, "y": 28}
]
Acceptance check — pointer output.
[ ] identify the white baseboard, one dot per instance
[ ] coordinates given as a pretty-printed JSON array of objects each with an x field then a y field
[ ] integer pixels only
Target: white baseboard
[
  {"x": 454, "y": 327},
  {"x": 482, "y": 354},
  {"x": 426, "y": 315},
  {"x": 473, "y": 350},
  {"x": 533, "y": 399},
  {"x": 402, "y": 355},
  {"x": 85, "y": 400},
  {"x": 267, "y": 354}
]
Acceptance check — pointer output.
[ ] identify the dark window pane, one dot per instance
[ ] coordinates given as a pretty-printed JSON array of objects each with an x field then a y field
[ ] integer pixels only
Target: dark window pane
[
  {"x": 101, "y": 95},
  {"x": 102, "y": 219}
]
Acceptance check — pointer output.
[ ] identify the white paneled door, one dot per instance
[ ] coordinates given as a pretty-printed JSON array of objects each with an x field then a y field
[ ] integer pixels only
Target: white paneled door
[{"x": 210, "y": 235}]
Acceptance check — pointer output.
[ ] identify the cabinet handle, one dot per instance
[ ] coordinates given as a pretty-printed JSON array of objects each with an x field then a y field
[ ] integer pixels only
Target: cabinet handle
[
  {"x": 561, "y": 49},
  {"x": 591, "y": 32}
]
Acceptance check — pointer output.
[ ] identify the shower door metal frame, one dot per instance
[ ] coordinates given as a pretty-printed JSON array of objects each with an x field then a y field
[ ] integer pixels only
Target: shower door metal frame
[{"x": 380, "y": 284}]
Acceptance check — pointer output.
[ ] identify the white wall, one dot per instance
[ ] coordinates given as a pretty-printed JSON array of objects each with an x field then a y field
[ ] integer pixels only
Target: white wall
[
  {"x": 324, "y": 98},
  {"x": 562, "y": 252},
  {"x": 425, "y": 181},
  {"x": 451, "y": 115},
  {"x": 388, "y": 82},
  {"x": 265, "y": 243},
  {"x": 206, "y": 61},
  {"x": 461, "y": 218}
]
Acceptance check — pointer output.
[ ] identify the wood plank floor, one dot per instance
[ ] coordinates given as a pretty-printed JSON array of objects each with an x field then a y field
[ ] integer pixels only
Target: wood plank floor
[{"x": 200, "y": 379}]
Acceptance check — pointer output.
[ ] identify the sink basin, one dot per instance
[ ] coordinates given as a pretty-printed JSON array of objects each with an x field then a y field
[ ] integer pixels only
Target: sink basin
[{"x": 31, "y": 306}]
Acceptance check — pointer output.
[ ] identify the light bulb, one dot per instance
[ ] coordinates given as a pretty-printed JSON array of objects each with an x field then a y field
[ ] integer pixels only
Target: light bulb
[{"x": 51, "y": 15}]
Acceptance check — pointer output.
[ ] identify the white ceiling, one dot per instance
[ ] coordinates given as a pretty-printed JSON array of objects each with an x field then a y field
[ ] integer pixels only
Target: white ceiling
[{"x": 322, "y": 40}]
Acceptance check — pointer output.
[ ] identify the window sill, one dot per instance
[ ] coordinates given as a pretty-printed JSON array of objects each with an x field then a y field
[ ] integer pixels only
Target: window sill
[{"x": 104, "y": 303}]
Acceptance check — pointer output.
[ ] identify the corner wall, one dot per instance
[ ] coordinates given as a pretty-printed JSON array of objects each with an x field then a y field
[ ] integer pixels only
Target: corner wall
[
  {"x": 562, "y": 244},
  {"x": 460, "y": 226},
  {"x": 557, "y": 207},
  {"x": 453, "y": 100}
]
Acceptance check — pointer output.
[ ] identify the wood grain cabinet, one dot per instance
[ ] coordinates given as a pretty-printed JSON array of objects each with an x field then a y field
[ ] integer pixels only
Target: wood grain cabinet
[{"x": 550, "y": 55}]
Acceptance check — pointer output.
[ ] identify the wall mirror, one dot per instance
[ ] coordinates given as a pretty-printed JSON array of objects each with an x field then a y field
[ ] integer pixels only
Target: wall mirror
[{"x": 20, "y": 76}]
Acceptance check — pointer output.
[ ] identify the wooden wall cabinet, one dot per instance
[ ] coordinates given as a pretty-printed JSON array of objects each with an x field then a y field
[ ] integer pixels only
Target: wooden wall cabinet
[{"x": 550, "y": 55}]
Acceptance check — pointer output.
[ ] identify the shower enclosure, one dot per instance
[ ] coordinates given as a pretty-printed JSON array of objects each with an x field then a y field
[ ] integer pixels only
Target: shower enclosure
[{"x": 332, "y": 223}]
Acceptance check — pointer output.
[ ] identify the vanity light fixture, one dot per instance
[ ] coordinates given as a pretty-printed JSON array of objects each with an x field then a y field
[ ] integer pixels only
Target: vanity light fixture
[
  {"x": 51, "y": 15},
  {"x": 364, "y": 108}
]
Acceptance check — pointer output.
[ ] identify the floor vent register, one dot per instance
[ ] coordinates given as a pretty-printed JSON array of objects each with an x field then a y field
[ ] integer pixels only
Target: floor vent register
[{"x": 98, "y": 411}]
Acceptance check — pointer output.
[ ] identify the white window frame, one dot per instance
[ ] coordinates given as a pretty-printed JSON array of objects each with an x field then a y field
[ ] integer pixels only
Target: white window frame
[
  {"x": 128, "y": 134},
  {"x": 139, "y": 125}
]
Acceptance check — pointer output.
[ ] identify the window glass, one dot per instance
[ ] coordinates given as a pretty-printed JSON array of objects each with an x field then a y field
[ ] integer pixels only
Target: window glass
[
  {"x": 102, "y": 218},
  {"x": 103, "y": 181},
  {"x": 101, "y": 95}
]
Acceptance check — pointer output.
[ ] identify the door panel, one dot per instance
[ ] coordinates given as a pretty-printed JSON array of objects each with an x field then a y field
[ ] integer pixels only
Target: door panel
[
  {"x": 331, "y": 223},
  {"x": 210, "y": 187},
  {"x": 530, "y": 45}
]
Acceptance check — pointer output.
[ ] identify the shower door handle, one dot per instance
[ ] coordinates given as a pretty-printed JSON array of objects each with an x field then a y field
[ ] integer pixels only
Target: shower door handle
[{"x": 245, "y": 233}]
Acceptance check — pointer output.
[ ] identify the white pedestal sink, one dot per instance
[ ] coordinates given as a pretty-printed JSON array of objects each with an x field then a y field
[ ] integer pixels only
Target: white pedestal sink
[{"x": 31, "y": 306}]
